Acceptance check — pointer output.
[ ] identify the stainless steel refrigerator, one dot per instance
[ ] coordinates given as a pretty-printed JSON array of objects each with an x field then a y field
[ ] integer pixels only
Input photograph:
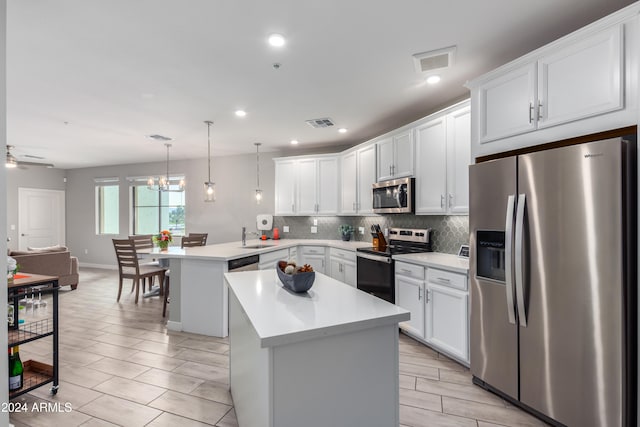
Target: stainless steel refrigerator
[{"x": 553, "y": 281}]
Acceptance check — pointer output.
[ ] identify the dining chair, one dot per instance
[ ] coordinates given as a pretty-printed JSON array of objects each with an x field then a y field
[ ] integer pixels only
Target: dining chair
[
  {"x": 129, "y": 266},
  {"x": 144, "y": 241},
  {"x": 194, "y": 239}
]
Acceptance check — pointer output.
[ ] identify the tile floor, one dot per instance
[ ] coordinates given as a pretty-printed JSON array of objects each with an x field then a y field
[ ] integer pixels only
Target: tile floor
[{"x": 119, "y": 366}]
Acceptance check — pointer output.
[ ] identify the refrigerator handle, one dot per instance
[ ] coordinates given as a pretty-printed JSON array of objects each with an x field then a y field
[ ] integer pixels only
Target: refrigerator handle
[
  {"x": 508, "y": 248},
  {"x": 522, "y": 315}
]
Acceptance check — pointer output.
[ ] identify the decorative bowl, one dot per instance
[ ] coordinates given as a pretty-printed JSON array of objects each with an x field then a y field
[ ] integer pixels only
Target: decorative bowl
[{"x": 299, "y": 282}]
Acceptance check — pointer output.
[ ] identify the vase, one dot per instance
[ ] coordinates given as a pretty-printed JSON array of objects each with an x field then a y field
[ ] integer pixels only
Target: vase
[
  {"x": 164, "y": 246},
  {"x": 346, "y": 237}
]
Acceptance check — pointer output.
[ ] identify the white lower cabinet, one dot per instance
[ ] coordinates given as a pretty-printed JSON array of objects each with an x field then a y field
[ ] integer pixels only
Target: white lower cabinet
[
  {"x": 439, "y": 304},
  {"x": 268, "y": 260},
  {"x": 342, "y": 266},
  {"x": 315, "y": 256},
  {"x": 447, "y": 323},
  {"x": 409, "y": 295}
]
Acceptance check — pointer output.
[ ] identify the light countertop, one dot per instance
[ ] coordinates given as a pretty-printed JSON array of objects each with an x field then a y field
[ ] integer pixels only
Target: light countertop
[
  {"x": 436, "y": 259},
  {"x": 234, "y": 250},
  {"x": 330, "y": 307}
]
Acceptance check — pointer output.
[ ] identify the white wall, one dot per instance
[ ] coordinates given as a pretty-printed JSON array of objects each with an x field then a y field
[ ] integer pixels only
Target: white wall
[{"x": 235, "y": 207}]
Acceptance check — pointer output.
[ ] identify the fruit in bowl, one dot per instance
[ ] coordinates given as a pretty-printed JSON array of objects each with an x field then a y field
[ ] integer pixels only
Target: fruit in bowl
[{"x": 297, "y": 279}]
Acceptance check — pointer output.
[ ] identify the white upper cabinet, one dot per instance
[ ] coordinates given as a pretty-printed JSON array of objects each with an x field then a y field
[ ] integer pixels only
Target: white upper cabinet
[
  {"x": 349, "y": 187},
  {"x": 366, "y": 170},
  {"x": 582, "y": 79},
  {"x": 285, "y": 187},
  {"x": 508, "y": 104},
  {"x": 395, "y": 156},
  {"x": 312, "y": 181},
  {"x": 442, "y": 162},
  {"x": 431, "y": 167},
  {"x": 584, "y": 83}
]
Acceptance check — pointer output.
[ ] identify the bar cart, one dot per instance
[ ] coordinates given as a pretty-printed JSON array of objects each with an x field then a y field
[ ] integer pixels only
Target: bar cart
[{"x": 36, "y": 374}]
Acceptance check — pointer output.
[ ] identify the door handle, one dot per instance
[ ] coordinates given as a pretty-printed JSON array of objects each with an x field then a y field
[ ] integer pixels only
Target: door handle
[
  {"x": 522, "y": 314},
  {"x": 508, "y": 249}
]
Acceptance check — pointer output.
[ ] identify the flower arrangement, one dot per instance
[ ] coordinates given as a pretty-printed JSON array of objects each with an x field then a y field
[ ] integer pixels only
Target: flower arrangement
[
  {"x": 12, "y": 268},
  {"x": 163, "y": 239},
  {"x": 345, "y": 230}
]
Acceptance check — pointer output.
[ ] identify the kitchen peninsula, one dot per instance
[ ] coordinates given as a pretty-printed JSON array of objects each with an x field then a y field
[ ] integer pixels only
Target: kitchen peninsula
[
  {"x": 199, "y": 298},
  {"x": 325, "y": 357}
]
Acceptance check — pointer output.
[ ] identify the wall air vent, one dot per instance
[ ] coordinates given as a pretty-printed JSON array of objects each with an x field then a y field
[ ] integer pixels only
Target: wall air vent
[
  {"x": 159, "y": 138},
  {"x": 435, "y": 60},
  {"x": 320, "y": 123}
]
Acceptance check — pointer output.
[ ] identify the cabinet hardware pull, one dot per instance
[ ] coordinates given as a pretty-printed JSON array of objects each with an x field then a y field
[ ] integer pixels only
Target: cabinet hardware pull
[
  {"x": 442, "y": 200},
  {"x": 419, "y": 293},
  {"x": 530, "y": 112},
  {"x": 390, "y": 173},
  {"x": 539, "y": 110},
  {"x": 450, "y": 200},
  {"x": 442, "y": 279},
  {"x": 427, "y": 299},
  {"x": 404, "y": 270}
]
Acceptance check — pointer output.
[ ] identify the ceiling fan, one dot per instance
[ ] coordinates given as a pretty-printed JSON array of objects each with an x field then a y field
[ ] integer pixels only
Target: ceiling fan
[{"x": 13, "y": 162}]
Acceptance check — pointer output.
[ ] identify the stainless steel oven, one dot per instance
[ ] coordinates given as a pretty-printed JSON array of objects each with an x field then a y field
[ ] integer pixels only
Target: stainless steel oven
[
  {"x": 376, "y": 271},
  {"x": 395, "y": 196}
]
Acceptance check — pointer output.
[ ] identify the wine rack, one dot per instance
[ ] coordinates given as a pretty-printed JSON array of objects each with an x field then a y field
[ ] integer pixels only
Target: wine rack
[{"x": 36, "y": 373}]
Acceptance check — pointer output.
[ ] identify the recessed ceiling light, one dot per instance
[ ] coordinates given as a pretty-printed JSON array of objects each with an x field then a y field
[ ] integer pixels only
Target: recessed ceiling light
[
  {"x": 433, "y": 79},
  {"x": 276, "y": 40},
  {"x": 294, "y": 142},
  {"x": 241, "y": 113},
  {"x": 342, "y": 130}
]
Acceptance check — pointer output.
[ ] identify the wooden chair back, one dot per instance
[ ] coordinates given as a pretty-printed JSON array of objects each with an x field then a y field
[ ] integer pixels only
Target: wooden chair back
[
  {"x": 194, "y": 239},
  {"x": 128, "y": 265},
  {"x": 142, "y": 241}
]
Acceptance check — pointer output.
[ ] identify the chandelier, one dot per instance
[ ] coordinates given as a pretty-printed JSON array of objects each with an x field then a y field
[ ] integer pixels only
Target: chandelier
[
  {"x": 258, "y": 190},
  {"x": 209, "y": 186},
  {"x": 164, "y": 183}
]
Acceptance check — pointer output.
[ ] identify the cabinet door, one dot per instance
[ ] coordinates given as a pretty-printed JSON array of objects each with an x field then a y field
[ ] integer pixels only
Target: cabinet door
[
  {"x": 385, "y": 159},
  {"x": 447, "y": 320},
  {"x": 285, "y": 187},
  {"x": 507, "y": 104},
  {"x": 349, "y": 270},
  {"x": 327, "y": 186},
  {"x": 307, "y": 187},
  {"x": 366, "y": 177},
  {"x": 403, "y": 154},
  {"x": 458, "y": 160},
  {"x": 335, "y": 269},
  {"x": 431, "y": 169},
  {"x": 581, "y": 80},
  {"x": 409, "y": 295},
  {"x": 316, "y": 261},
  {"x": 348, "y": 202}
]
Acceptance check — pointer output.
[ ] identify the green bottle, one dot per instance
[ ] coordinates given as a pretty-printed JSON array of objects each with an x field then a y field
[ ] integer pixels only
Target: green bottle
[{"x": 15, "y": 370}]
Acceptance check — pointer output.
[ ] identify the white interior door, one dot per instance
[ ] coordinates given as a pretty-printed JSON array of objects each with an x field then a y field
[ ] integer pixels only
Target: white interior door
[{"x": 41, "y": 218}]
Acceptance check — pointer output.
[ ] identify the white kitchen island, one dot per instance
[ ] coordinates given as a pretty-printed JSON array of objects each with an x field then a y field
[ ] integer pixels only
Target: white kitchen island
[{"x": 328, "y": 357}]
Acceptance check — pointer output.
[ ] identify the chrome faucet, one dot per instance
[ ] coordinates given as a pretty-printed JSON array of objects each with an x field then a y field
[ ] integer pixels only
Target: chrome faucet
[{"x": 244, "y": 235}]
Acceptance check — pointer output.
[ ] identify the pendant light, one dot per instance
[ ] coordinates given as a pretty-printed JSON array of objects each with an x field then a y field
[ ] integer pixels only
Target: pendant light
[
  {"x": 209, "y": 186},
  {"x": 164, "y": 182},
  {"x": 258, "y": 190}
]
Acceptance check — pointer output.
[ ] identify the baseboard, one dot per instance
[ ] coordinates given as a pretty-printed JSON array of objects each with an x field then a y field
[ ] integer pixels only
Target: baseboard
[
  {"x": 174, "y": 326},
  {"x": 103, "y": 266}
]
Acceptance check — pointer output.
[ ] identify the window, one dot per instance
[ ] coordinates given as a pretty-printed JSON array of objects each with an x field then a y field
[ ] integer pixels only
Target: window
[
  {"x": 154, "y": 210},
  {"x": 107, "y": 206}
]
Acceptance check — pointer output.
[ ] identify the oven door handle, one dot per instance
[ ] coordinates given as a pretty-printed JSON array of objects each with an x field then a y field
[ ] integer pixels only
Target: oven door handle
[{"x": 377, "y": 258}]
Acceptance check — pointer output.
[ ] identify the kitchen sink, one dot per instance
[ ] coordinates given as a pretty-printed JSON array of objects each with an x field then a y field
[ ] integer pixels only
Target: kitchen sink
[{"x": 256, "y": 246}]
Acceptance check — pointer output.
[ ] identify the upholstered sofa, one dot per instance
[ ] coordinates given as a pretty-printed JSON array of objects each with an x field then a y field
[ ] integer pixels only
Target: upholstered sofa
[{"x": 51, "y": 261}]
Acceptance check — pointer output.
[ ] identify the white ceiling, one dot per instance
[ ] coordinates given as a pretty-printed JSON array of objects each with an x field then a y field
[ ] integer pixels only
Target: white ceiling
[{"x": 119, "y": 70}]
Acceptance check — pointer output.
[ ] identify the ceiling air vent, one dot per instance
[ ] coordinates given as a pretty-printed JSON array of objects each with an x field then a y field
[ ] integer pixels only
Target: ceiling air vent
[
  {"x": 435, "y": 60},
  {"x": 159, "y": 138},
  {"x": 320, "y": 123}
]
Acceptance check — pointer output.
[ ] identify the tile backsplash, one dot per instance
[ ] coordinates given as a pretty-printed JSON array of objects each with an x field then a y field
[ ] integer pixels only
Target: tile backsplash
[{"x": 449, "y": 232}]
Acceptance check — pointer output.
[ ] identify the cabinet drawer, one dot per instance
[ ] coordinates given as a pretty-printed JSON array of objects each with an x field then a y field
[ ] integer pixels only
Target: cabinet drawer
[
  {"x": 312, "y": 250},
  {"x": 272, "y": 257},
  {"x": 409, "y": 270},
  {"x": 447, "y": 278},
  {"x": 342, "y": 254}
]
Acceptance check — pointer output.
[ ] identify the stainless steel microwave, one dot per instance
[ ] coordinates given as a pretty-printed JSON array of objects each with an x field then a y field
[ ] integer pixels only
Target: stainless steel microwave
[{"x": 395, "y": 196}]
